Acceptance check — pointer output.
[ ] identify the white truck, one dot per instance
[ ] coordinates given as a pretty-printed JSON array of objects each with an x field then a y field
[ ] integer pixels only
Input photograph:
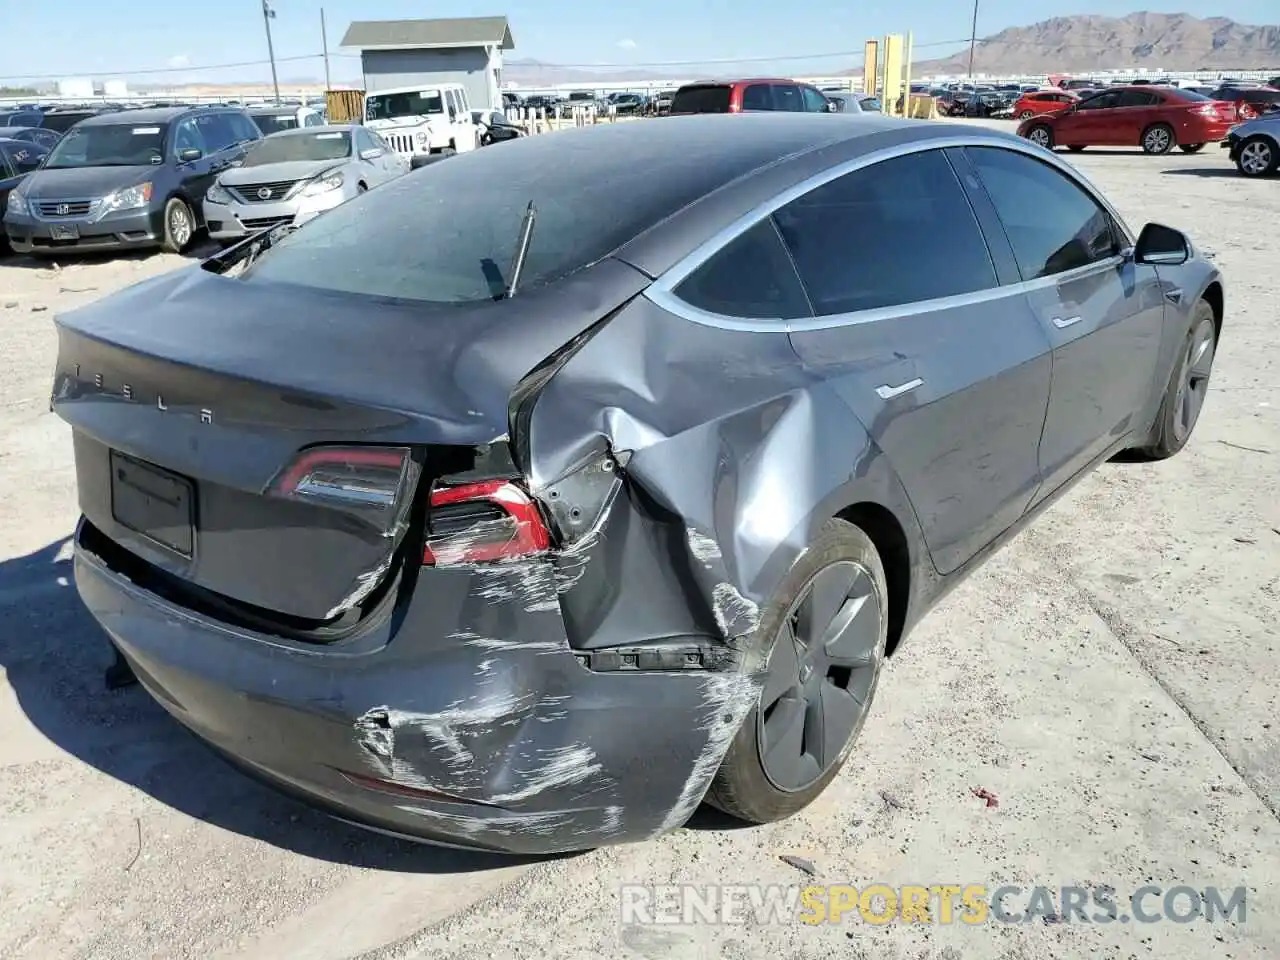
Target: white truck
[{"x": 423, "y": 121}]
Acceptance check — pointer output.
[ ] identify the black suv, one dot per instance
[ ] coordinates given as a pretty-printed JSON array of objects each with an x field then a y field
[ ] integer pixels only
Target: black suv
[{"x": 127, "y": 180}]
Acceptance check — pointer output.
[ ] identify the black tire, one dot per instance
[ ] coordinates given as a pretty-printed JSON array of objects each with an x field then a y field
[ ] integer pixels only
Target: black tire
[
  {"x": 177, "y": 238},
  {"x": 1042, "y": 134},
  {"x": 1258, "y": 156},
  {"x": 743, "y": 787},
  {"x": 1075, "y": 147},
  {"x": 1157, "y": 139},
  {"x": 1172, "y": 428},
  {"x": 1191, "y": 147}
]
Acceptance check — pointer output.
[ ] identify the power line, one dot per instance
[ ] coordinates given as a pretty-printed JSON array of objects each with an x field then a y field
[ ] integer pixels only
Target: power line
[{"x": 191, "y": 68}]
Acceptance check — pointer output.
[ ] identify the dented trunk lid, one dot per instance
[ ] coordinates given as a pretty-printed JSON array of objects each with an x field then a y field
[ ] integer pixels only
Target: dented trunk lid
[{"x": 190, "y": 394}]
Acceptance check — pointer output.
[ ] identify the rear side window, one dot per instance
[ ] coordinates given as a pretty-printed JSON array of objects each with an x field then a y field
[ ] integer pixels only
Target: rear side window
[
  {"x": 1137, "y": 98},
  {"x": 757, "y": 96},
  {"x": 786, "y": 96},
  {"x": 869, "y": 239},
  {"x": 1052, "y": 224},
  {"x": 751, "y": 277},
  {"x": 701, "y": 99}
]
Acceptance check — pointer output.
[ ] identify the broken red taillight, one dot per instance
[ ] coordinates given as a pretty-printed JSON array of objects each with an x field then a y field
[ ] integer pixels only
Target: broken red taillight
[
  {"x": 374, "y": 483},
  {"x": 483, "y": 522}
]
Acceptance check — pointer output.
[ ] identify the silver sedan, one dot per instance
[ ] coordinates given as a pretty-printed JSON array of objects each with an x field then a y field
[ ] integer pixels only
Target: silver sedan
[{"x": 295, "y": 175}]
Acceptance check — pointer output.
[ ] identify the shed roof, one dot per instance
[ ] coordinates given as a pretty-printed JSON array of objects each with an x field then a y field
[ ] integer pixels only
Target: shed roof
[{"x": 437, "y": 34}]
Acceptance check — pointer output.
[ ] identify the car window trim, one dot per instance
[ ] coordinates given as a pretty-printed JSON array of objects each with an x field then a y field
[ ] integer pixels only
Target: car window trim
[{"x": 662, "y": 291}]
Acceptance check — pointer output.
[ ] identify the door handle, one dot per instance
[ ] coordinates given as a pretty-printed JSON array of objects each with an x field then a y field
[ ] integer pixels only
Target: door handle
[
  {"x": 1063, "y": 322},
  {"x": 886, "y": 392}
]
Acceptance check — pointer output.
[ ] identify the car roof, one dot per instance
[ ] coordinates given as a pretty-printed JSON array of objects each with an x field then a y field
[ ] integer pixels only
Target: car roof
[
  {"x": 146, "y": 115},
  {"x": 274, "y": 110},
  {"x": 325, "y": 128},
  {"x": 738, "y": 81}
]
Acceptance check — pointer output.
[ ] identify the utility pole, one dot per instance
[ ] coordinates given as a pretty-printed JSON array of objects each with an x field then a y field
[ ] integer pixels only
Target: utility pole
[
  {"x": 324, "y": 39},
  {"x": 973, "y": 37},
  {"x": 267, "y": 16}
]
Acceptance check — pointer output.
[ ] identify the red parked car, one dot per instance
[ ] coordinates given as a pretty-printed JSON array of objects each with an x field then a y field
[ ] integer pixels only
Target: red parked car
[
  {"x": 1156, "y": 118},
  {"x": 737, "y": 96},
  {"x": 1249, "y": 102},
  {"x": 1043, "y": 101}
]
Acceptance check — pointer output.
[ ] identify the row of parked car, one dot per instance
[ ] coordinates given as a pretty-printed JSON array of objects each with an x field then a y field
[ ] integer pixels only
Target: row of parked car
[
  {"x": 1158, "y": 118},
  {"x": 110, "y": 177}
]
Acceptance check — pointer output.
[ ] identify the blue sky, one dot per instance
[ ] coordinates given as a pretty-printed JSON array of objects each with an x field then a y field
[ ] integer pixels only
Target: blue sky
[{"x": 68, "y": 38}]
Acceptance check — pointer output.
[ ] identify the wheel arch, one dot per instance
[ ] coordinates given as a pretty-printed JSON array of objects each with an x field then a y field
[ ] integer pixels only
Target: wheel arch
[
  {"x": 886, "y": 533},
  {"x": 1214, "y": 296}
]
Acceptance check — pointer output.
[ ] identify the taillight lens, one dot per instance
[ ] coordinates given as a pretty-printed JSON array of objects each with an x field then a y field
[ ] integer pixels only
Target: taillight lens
[
  {"x": 1245, "y": 112},
  {"x": 373, "y": 483},
  {"x": 483, "y": 522}
]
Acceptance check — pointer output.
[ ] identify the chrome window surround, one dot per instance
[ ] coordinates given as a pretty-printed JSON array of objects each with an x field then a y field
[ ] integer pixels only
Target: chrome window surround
[{"x": 662, "y": 290}]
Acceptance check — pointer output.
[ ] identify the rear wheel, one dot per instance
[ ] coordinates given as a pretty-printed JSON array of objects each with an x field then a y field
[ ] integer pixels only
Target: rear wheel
[
  {"x": 1158, "y": 138},
  {"x": 1258, "y": 157},
  {"x": 1191, "y": 147},
  {"x": 179, "y": 225},
  {"x": 824, "y": 636},
  {"x": 1188, "y": 384},
  {"x": 1041, "y": 136}
]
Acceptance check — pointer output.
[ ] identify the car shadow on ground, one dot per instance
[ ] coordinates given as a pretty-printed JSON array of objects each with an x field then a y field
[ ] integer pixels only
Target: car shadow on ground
[
  {"x": 1227, "y": 172},
  {"x": 54, "y": 655},
  {"x": 201, "y": 249}
]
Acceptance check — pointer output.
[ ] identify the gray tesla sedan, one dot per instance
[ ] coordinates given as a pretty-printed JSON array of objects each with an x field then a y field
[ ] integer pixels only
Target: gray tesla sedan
[{"x": 503, "y": 508}]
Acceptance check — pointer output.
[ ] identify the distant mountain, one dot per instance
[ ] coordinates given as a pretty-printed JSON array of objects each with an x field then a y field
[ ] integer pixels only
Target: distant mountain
[{"x": 1164, "y": 41}]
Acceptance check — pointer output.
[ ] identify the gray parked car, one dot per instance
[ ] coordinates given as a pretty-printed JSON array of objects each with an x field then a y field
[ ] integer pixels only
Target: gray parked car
[
  {"x": 127, "y": 180},
  {"x": 1255, "y": 146},
  {"x": 503, "y": 508},
  {"x": 293, "y": 176}
]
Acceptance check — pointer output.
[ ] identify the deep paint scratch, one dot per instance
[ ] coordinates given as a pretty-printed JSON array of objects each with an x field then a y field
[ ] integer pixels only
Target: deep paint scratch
[
  {"x": 727, "y": 699},
  {"x": 365, "y": 585},
  {"x": 557, "y": 767},
  {"x": 735, "y": 614},
  {"x": 705, "y": 550}
]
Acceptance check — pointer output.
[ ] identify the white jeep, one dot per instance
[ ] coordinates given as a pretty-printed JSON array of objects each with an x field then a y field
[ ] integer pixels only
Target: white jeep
[{"x": 420, "y": 121}]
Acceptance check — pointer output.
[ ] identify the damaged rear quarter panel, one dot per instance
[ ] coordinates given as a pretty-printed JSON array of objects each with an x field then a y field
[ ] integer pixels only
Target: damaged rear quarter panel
[{"x": 735, "y": 456}]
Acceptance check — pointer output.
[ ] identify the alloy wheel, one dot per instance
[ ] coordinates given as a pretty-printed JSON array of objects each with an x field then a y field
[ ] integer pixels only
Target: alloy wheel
[
  {"x": 1156, "y": 140},
  {"x": 822, "y": 674},
  {"x": 1194, "y": 384},
  {"x": 1255, "y": 158},
  {"x": 180, "y": 225},
  {"x": 1039, "y": 136}
]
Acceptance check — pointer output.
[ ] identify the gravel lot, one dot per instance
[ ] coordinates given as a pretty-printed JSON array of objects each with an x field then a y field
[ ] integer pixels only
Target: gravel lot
[{"x": 1110, "y": 676}]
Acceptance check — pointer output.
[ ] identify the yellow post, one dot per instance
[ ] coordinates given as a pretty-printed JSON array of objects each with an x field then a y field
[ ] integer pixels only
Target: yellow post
[
  {"x": 871, "y": 67},
  {"x": 892, "y": 73},
  {"x": 906, "y": 77}
]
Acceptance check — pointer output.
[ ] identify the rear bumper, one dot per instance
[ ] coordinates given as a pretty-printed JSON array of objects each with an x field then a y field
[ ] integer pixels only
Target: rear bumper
[
  {"x": 129, "y": 231},
  {"x": 1203, "y": 130},
  {"x": 462, "y": 719}
]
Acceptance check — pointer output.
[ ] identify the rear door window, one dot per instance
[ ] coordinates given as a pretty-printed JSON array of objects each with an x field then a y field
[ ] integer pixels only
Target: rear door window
[
  {"x": 704, "y": 98},
  {"x": 751, "y": 277},
  {"x": 1052, "y": 223},
  {"x": 1137, "y": 98},
  {"x": 869, "y": 239},
  {"x": 786, "y": 97}
]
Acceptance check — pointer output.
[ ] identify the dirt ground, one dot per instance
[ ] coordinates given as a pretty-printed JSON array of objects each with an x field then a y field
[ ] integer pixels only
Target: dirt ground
[{"x": 1110, "y": 677}]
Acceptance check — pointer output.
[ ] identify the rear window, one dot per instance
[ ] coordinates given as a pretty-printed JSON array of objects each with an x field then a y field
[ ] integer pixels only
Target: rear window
[
  {"x": 1182, "y": 94},
  {"x": 701, "y": 99},
  {"x": 446, "y": 234}
]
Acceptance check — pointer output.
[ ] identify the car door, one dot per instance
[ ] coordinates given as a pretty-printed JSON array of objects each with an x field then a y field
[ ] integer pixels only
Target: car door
[
  {"x": 1134, "y": 111},
  {"x": 924, "y": 332},
  {"x": 1086, "y": 124},
  {"x": 196, "y": 176},
  {"x": 1103, "y": 312}
]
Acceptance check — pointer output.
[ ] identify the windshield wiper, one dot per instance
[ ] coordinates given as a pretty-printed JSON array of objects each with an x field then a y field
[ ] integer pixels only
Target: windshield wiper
[{"x": 522, "y": 250}]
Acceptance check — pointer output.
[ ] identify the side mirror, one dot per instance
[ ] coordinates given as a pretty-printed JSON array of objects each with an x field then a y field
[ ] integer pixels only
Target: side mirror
[
  {"x": 373, "y": 153},
  {"x": 190, "y": 155},
  {"x": 1158, "y": 244},
  {"x": 833, "y": 107}
]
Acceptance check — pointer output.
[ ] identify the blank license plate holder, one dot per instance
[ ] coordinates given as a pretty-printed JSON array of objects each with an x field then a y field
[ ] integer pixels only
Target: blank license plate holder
[{"x": 154, "y": 503}]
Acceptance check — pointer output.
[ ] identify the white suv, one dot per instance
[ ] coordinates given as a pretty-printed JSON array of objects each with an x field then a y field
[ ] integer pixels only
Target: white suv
[{"x": 418, "y": 121}]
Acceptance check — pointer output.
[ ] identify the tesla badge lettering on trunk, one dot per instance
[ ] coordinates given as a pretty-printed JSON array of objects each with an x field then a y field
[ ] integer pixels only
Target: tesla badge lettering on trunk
[{"x": 127, "y": 392}]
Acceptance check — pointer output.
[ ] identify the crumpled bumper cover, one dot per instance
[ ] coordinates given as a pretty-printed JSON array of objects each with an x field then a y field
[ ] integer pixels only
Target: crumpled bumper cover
[{"x": 487, "y": 734}]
